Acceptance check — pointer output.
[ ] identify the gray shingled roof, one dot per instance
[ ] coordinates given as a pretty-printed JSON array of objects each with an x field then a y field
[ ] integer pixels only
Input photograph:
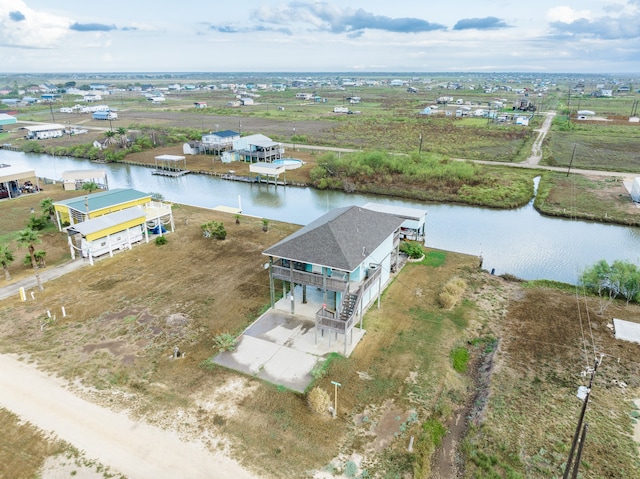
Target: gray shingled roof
[{"x": 338, "y": 238}]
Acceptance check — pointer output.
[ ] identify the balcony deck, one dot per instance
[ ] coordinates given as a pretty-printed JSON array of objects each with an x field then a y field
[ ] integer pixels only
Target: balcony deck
[{"x": 332, "y": 283}]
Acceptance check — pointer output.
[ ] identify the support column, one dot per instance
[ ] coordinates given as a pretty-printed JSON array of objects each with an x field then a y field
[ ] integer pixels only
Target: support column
[
  {"x": 324, "y": 285},
  {"x": 292, "y": 288},
  {"x": 73, "y": 253},
  {"x": 272, "y": 291}
]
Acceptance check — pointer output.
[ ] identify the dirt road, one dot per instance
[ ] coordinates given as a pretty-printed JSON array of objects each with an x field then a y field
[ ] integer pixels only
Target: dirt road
[
  {"x": 135, "y": 449},
  {"x": 536, "y": 149}
]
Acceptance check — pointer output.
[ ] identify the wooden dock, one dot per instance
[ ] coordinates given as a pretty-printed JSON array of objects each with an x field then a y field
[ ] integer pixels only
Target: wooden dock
[{"x": 171, "y": 173}]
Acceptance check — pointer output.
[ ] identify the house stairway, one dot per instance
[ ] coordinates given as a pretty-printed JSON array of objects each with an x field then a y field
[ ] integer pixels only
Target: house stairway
[{"x": 348, "y": 306}]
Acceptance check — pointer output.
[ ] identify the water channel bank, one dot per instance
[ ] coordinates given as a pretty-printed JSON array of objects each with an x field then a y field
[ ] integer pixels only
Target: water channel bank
[{"x": 520, "y": 242}]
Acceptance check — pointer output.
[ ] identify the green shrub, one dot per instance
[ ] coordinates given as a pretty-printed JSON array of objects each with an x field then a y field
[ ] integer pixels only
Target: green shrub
[
  {"x": 412, "y": 249},
  {"x": 214, "y": 229},
  {"x": 161, "y": 240},
  {"x": 224, "y": 342}
]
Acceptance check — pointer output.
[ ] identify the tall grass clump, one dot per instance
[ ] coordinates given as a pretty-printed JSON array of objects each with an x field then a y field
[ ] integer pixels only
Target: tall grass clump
[{"x": 451, "y": 293}]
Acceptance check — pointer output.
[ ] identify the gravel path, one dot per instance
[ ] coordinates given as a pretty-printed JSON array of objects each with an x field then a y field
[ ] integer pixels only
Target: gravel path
[{"x": 135, "y": 449}]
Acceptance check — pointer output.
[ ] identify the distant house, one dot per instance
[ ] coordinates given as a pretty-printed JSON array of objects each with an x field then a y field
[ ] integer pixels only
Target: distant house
[
  {"x": 6, "y": 120},
  {"x": 200, "y": 105},
  {"x": 397, "y": 83},
  {"x": 348, "y": 255},
  {"x": 219, "y": 141},
  {"x": 253, "y": 149},
  {"x": 43, "y": 132},
  {"x": 245, "y": 101},
  {"x": 49, "y": 88}
]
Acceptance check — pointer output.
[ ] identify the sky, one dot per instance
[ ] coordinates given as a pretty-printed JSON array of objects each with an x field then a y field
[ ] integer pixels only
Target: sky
[{"x": 561, "y": 36}]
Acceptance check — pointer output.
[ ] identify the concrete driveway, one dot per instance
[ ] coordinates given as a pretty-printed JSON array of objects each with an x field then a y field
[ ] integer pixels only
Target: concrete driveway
[{"x": 282, "y": 348}]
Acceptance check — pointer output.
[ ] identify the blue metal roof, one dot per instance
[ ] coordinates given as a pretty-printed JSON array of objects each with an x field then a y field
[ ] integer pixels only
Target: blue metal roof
[
  {"x": 104, "y": 199},
  {"x": 226, "y": 133}
]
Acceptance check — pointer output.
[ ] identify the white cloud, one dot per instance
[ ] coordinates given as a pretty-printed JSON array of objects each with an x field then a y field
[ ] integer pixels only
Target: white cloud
[
  {"x": 567, "y": 14},
  {"x": 21, "y": 26}
]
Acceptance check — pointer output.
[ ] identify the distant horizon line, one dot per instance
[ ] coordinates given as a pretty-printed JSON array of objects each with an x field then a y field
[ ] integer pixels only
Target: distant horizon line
[{"x": 315, "y": 73}]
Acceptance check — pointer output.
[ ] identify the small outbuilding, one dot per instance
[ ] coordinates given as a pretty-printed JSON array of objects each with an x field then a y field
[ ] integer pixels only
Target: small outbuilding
[
  {"x": 75, "y": 179},
  {"x": 269, "y": 170},
  {"x": 15, "y": 180},
  {"x": 170, "y": 165}
]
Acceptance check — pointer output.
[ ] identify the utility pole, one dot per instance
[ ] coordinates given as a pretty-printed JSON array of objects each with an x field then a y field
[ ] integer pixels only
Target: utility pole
[
  {"x": 577, "y": 434},
  {"x": 420, "y": 147}
]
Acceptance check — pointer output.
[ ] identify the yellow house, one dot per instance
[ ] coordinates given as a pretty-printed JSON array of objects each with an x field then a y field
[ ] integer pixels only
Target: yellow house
[
  {"x": 108, "y": 233},
  {"x": 82, "y": 208}
]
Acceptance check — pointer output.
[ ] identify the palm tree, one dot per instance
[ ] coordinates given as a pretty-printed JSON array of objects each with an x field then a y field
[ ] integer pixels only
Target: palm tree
[
  {"x": 111, "y": 138},
  {"x": 90, "y": 186},
  {"x": 6, "y": 257},
  {"x": 122, "y": 131},
  {"x": 28, "y": 238},
  {"x": 47, "y": 208}
]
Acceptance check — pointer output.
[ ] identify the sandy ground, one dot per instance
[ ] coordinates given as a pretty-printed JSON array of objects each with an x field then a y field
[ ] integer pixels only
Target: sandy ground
[{"x": 132, "y": 448}]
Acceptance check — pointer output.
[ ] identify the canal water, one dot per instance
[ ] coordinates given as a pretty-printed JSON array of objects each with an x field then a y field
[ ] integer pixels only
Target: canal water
[{"x": 520, "y": 242}]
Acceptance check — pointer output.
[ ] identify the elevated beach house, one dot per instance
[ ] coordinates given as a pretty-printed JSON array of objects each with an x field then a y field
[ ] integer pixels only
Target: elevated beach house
[{"x": 347, "y": 255}]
